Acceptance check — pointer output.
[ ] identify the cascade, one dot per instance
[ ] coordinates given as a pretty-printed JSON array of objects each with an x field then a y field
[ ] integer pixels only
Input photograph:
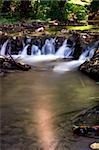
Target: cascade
[
  {"x": 47, "y": 53},
  {"x": 3, "y": 48},
  {"x": 73, "y": 65},
  {"x": 65, "y": 51}
]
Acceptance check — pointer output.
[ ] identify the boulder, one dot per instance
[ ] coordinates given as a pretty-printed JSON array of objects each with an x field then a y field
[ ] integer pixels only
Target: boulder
[{"x": 91, "y": 67}]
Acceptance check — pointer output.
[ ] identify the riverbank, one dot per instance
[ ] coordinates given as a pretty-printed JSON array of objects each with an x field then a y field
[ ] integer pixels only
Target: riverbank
[
  {"x": 44, "y": 27},
  {"x": 91, "y": 67}
]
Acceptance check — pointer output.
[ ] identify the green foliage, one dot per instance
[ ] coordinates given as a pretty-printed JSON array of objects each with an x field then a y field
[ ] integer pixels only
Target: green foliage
[
  {"x": 57, "y": 10},
  {"x": 42, "y": 12},
  {"x": 80, "y": 12},
  {"x": 54, "y": 10},
  {"x": 68, "y": 10},
  {"x": 76, "y": 12},
  {"x": 61, "y": 10}
]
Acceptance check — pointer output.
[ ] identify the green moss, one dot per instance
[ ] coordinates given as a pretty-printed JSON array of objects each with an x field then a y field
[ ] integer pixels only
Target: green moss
[{"x": 82, "y": 28}]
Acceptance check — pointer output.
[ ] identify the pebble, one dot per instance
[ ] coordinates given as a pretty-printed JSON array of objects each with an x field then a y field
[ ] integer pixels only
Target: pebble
[{"x": 95, "y": 146}]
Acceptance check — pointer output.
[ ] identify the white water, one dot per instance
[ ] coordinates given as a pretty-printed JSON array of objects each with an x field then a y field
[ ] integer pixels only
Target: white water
[
  {"x": 48, "y": 54},
  {"x": 68, "y": 66},
  {"x": 84, "y": 55},
  {"x": 64, "y": 50},
  {"x": 91, "y": 53},
  {"x": 73, "y": 65},
  {"x": 24, "y": 52},
  {"x": 35, "y": 50},
  {"x": 3, "y": 48},
  {"x": 48, "y": 47},
  {"x": 37, "y": 59}
]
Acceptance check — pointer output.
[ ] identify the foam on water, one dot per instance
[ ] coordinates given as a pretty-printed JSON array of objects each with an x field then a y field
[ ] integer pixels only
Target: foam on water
[
  {"x": 3, "y": 48},
  {"x": 68, "y": 66},
  {"x": 48, "y": 54},
  {"x": 73, "y": 65},
  {"x": 48, "y": 47}
]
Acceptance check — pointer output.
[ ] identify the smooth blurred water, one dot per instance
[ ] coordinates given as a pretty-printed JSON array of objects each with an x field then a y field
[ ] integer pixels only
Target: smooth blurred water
[
  {"x": 37, "y": 107},
  {"x": 3, "y": 48},
  {"x": 74, "y": 64}
]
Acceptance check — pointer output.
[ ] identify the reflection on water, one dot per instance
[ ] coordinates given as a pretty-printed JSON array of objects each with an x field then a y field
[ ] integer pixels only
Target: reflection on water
[
  {"x": 37, "y": 107},
  {"x": 43, "y": 115}
]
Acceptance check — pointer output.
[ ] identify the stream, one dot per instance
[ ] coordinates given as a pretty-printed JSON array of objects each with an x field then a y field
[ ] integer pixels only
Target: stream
[{"x": 37, "y": 107}]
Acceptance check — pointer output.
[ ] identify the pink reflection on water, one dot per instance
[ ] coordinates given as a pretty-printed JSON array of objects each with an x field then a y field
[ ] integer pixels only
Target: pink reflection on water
[
  {"x": 45, "y": 129},
  {"x": 43, "y": 113}
]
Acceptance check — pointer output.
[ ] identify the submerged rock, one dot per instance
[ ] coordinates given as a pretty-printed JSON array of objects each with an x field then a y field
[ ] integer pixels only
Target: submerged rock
[{"x": 87, "y": 122}]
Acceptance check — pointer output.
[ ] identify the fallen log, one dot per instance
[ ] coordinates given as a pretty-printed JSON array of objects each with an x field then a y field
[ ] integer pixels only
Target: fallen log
[{"x": 10, "y": 64}]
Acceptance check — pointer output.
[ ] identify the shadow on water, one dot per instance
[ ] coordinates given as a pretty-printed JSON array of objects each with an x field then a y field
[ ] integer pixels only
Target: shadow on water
[{"x": 37, "y": 107}]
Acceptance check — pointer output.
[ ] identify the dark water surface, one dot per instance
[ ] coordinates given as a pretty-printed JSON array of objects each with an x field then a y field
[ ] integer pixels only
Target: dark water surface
[{"x": 37, "y": 107}]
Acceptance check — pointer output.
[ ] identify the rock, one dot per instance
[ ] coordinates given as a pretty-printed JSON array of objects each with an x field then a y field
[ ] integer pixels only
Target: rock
[
  {"x": 6, "y": 65},
  {"x": 64, "y": 31},
  {"x": 54, "y": 22},
  {"x": 41, "y": 29},
  {"x": 91, "y": 68},
  {"x": 10, "y": 64},
  {"x": 95, "y": 146},
  {"x": 1, "y": 33}
]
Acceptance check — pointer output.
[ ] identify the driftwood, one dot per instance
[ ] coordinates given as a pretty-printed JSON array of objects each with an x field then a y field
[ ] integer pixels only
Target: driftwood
[
  {"x": 86, "y": 123},
  {"x": 11, "y": 64}
]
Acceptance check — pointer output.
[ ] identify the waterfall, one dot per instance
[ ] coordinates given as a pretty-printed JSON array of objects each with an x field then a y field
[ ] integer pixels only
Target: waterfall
[
  {"x": 73, "y": 65},
  {"x": 48, "y": 53},
  {"x": 52, "y": 42},
  {"x": 35, "y": 50},
  {"x": 24, "y": 52},
  {"x": 48, "y": 47},
  {"x": 61, "y": 50},
  {"x": 3, "y": 48},
  {"x": 64, "y": 51},
  {"x": 84, "y": 55},
  {"x": 91, "y": 53},
  {"x": 93, "y": 48}
]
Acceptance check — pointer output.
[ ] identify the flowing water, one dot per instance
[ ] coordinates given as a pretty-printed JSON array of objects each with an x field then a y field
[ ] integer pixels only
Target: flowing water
[
  {"x": 74, "y": 64},
  {"x": 47, "y": 53},
  {"x": 37, "y": 107}
]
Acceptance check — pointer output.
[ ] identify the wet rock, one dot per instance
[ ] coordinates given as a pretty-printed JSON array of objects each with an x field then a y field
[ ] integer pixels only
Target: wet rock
[
  {"x": 91, "y": 67},
  {"x": 87, "y": 122},
  {"x": 41, "y": 29},
  {"x": 10, "y": 64}
]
